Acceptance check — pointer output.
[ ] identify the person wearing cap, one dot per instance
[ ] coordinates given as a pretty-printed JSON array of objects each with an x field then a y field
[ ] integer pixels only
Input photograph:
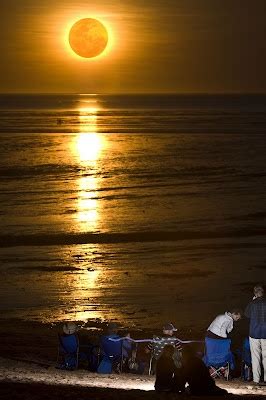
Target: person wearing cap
[
  {"x": 69, "y": 328},
  {"x": 68, "y": 347},
  {"x": 168, "y": 338},
  {"x": 256, "y": 312}
]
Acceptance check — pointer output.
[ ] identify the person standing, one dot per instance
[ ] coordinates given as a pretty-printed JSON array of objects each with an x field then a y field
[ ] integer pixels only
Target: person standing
[{"x": 256, "y": 312}]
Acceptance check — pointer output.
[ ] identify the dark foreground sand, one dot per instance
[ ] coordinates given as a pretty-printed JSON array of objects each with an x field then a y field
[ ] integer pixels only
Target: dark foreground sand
[
  {"x": 45, "y": 392},
  {"x": 28, "y": 353}
]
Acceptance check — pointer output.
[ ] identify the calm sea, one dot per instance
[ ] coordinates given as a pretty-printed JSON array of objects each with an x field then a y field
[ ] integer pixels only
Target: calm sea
[{"x": 141, "y": 209}]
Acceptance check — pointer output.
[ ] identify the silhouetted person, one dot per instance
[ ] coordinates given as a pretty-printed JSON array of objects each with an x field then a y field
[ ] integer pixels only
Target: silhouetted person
[
  {"x": 169, "y": 378},
  {"x": 197, "y": 375},
  {"x": 256, "y": 312}
]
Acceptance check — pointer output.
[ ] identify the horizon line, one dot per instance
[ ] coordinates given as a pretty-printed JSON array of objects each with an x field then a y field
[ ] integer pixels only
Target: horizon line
[{"x": 137, "y": 93}]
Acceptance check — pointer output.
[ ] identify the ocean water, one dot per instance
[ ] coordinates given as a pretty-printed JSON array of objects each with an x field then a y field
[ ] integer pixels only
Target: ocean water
[{"x": 139, "y": 209}]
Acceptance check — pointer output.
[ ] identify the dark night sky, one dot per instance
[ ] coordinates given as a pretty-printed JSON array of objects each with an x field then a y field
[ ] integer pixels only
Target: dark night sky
[{"x": 158, "y": 46}]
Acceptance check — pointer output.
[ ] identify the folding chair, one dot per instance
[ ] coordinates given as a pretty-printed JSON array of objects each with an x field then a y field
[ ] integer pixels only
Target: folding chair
[
  {"x": 112, "y": 355},
  {"x": 246, "y": 367},
  {"x": 218, "y": 357},
  {"x": 68, "y": 350}
]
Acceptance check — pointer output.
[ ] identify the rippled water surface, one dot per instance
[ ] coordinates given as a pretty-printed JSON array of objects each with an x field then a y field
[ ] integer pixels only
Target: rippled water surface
[{"x": 135, "y": 208}]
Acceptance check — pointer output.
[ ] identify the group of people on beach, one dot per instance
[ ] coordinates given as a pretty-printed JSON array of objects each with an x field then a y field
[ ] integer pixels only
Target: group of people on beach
[
  {"x": 256, "y": 313},
  {"x": 176, "y": 364}
]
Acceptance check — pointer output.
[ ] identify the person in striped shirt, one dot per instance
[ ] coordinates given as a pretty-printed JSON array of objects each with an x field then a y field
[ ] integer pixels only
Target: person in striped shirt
[{"x": 156, "y": 347}]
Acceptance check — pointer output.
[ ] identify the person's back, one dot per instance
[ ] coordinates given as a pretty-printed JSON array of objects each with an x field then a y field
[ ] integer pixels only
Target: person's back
[
  {"x": 165, "y": 369},
  {"x": 69, "y": 346},
  {"x": 223, "y": 324},
  {"x": 197, "y": 375},
  {"x": 256, "y": 312},
  {"x": 168, "y": 377},
  {"x": 111, "y": 350},
  {"x": 110, "y": 347}
]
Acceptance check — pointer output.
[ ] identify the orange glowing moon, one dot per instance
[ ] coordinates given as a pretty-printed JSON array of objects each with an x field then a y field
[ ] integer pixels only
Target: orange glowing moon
[{"x": 88, "y": 37}]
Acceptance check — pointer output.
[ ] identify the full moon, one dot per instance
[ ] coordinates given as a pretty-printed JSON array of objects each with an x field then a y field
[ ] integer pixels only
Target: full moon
[{"x": 88, "y": 37}]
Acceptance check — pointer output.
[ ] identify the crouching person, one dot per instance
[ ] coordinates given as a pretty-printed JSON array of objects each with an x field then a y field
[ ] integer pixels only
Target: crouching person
[
  {"x": 169, "y": 378},
  {"x": 197, "y": 376}
]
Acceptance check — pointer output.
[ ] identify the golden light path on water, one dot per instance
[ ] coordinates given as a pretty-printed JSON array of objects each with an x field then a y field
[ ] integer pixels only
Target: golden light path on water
[
  {"x": 87, "y": 148},
  {"x": 89, "y": 145},
  {"x": 87, "y": 286}
]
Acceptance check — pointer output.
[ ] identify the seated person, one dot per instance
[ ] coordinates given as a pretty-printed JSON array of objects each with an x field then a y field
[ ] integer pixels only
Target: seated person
[
  {"x": 156, "y": 348},
  {"x": 197, "y": 375},
  {"x": 68, "y": 347},
  {"x": 223, "y": 324},
  {"x": 113, "y": 352},
  {"x": 168, "y": 377}
]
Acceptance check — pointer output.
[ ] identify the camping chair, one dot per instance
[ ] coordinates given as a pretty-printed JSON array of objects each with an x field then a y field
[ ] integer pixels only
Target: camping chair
[
  {"x": 246, "y": 367},
  {"x": 68, "y": 350},
  {"x": 218, "y": 357},
  {"x": 112, "y": 355}
]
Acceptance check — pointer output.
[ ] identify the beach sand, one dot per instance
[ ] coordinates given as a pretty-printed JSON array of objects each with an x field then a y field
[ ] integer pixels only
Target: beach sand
[
  {"x": 21, "y": 380},
  {"x": 27, "y": 370}
]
